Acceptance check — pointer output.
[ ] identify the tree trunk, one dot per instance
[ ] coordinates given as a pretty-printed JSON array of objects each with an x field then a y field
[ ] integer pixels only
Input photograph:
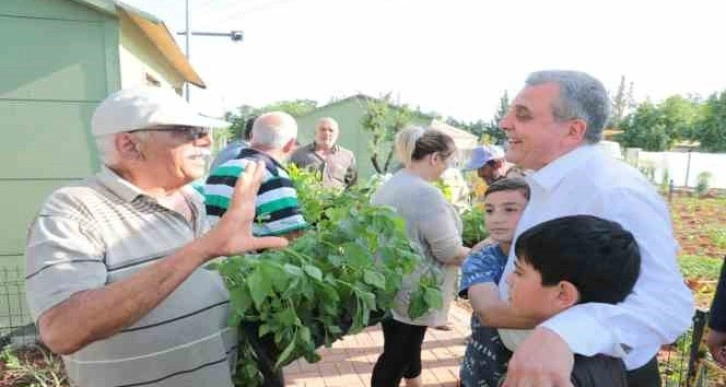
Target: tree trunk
[
  {"x": 374, "y": 161},
  {"x": 388, "y": 161}
]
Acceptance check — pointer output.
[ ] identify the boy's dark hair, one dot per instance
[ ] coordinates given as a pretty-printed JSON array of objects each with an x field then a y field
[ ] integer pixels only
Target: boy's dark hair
[
  {"x": 599, "y": 257},
  {"x": 509, "y": 184},
  {"x": 248, "y": 128}
]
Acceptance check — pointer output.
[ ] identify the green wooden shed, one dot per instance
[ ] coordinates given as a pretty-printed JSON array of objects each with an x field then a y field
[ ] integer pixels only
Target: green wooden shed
[
  {"x": 60, "y": 59},
  {"x": 349, "y": 113}
]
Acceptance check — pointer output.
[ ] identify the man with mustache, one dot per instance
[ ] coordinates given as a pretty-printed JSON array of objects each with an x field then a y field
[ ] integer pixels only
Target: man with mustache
[
  {"x": 114, "y": 262},
  {"x": 324, "y": 155}
]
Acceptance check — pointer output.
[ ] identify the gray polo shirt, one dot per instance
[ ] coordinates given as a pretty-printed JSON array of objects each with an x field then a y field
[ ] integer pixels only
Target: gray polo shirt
[
  {"x": 338, "y": 169},
  {"x": 102, "y": 230}
]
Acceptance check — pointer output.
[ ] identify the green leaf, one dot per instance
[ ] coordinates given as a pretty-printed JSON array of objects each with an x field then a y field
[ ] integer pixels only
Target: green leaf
[
  {"x": 356, "y": 255},
  {"x": 286, "y": 317},
  {"x": 369, "y": 300},
  {"x": 259, "y": 286},
  {"x": 292, "y": 270},
  {"x": 313, "y": 271},
  {"x": 305, "y": 334},
  {"x": 240, "y": 299},
  {"x": 264, "y": 329},
  {"x": 335, "y": 260},
  {"x": 374, "y": 279},
  {"x": 285, "y": 354},
  {"x": 434, "y": 298},
  {"x": 417, "y": 307}
]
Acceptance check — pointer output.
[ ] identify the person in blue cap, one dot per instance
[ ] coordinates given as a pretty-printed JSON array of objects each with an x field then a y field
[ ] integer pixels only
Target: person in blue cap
[{"x": 489, "y": 163}]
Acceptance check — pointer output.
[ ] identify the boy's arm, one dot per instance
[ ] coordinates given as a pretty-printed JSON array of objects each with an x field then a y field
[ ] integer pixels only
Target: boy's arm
[{"x": 493, "y": 312}]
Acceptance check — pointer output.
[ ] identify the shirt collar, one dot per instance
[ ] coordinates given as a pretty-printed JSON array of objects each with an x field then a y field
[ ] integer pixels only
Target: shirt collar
[
  {"x": 118, "y": 185},
  {"x": 549, "y": 176},
  {"x": 334, "y": 149}
]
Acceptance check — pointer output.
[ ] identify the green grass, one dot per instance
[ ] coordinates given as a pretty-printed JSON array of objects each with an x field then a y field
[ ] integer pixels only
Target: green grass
[
  {"x": 700, "y": 267},
  {"x": 718, "y": 236}
]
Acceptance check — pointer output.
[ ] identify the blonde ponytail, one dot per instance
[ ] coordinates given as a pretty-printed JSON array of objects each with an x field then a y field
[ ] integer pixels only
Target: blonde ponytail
[{"x": 406, "y": 143}]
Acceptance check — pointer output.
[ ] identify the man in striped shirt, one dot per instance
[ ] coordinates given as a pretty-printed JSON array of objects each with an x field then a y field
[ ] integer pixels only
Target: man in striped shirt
[
  {"x": 114, "y": 263},
  {"x": 277, "y": 207}
]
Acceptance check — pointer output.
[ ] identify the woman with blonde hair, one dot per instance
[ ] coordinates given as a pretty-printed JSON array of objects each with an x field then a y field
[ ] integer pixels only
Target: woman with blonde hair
[{"x": 435, "y": 229}]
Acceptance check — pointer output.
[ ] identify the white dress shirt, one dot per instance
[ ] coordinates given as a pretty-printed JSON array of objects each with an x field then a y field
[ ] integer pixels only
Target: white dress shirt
[{"x": 587, "y": 181}]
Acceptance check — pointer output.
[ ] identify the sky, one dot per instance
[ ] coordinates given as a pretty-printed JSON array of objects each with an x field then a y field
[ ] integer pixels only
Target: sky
[{"x": 452, "y": 57}]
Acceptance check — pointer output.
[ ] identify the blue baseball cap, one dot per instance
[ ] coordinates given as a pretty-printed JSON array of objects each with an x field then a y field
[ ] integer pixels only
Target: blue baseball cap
[{"x": 482, "y": 155}]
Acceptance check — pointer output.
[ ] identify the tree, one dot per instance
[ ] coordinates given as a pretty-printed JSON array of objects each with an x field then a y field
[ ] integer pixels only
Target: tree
[
  {"x": 491, "y": 132},
  {"x": 680, "y": 116},
  {"x": 239, "y": 118},
  {"x": 711, "y": 129},
  {"x": 645, "y": 128},
  {"x": 475, "y": 128},
  {"x": 384, "y": 120},
  {"x": 622, "y": 103}
]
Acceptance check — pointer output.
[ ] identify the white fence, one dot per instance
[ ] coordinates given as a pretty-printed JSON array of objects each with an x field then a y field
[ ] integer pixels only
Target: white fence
[{"x": 682, "y": 167}]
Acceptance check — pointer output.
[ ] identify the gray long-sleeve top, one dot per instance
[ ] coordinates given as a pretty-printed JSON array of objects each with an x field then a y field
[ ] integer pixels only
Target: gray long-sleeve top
[{"x": 435, "y": 229}]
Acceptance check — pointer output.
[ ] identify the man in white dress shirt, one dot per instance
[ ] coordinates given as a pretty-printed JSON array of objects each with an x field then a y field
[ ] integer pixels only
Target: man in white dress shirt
[{"x": 553, "y": 126}]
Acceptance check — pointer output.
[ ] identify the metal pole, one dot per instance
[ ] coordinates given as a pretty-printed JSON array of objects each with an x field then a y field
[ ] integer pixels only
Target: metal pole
[{"x": 189, "y": 36}]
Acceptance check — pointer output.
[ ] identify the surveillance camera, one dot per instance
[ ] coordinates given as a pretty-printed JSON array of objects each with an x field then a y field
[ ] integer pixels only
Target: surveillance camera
[{"x": 236, "y": 36}]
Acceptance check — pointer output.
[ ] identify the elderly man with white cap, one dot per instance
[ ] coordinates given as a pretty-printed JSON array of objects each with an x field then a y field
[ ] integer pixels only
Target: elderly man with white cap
[
  {"x": 489, "y": 163},
  {"x": 114, "y": 277}
]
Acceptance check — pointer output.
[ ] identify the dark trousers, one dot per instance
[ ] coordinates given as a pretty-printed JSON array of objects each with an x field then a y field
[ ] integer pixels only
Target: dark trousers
[
  {"x": 645, "y": 376},
  {"x": 401, "y": 357},
  {"x": 601, "y": 370}
]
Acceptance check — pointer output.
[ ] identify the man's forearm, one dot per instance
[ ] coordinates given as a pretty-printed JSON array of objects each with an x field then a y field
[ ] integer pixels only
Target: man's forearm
[
  {"x": 493, "y": 312},
  {"x": 96, "y": 314}
]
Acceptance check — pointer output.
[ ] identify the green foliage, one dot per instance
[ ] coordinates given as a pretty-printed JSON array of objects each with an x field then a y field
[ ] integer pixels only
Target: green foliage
[
  {"x": 474, "y": 228},
  {"x": 703, "y": 181},
  {"x": 444, "y": 188},
  {"x": 711, "y": 132},
  {"x": 239, "y": 118},
  {"x": 339, "y": 277},
  {"x": 659, "y": 127},
  {"x": 700, "y": 267},
  {"x": 645, "y": 129},
  {"x": 717, "y": 235},
  {"x": 492, "y": 133},
  {"x": 384, "y": 120}
]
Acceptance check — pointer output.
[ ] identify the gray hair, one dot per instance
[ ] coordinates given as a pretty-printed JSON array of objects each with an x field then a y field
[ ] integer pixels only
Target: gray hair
[
  {"x": 106, "y": 145},
  {"x": 329, "y": 120},
  {"x": 274, "y": 130},
  {"x": 107, "y": 151},
  {"x": 581, "y": 96}
]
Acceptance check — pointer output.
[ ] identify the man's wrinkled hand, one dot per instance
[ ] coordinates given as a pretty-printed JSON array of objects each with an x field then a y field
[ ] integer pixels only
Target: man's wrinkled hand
[
  {"x": 233, "y": 233},
  {"x": 542, "y": 360}
]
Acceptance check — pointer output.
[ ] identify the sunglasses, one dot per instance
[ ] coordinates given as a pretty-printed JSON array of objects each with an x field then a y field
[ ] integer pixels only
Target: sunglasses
[{"x": 190, "y": 133}]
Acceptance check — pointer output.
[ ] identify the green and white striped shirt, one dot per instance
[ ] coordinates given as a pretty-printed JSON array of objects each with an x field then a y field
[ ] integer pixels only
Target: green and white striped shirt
[{"x": 277, "y": 207}]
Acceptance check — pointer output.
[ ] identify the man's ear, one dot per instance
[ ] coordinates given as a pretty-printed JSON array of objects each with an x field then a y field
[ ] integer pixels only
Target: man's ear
[
  {"x": 577, "y": 129},
  {"x": 128, "y": 146},
  {"x": 568, "y": 294},
  {"x": 289, "y": 146}
]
